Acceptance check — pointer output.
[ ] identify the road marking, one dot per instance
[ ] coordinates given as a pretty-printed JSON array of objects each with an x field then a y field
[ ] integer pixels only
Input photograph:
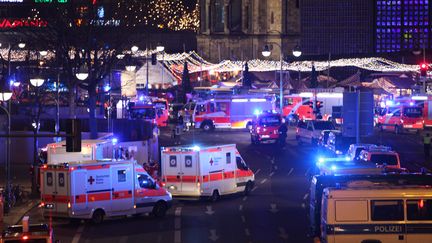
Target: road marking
[
  {"x": 263, "y": 181},
  {"x": 307, "y": 172},
  {"x": 177, "y": 236},
  {"x": 305, "y": 196},
  {"x": 271, "y": 174},
  {"x": 247, "y": 233},
  {"x": 282, "y": 233},
  {"x": 244, "y": 198},
  {"x": 178, "y": 211},
  {"x": 123, "y": 239},
  {"x": 78, "y": 233},
  {"x": 177, "y": 223},
  {"x": 253, "y": 189},
  {"x": 209, "y": 210},
  {"x": 273, "y": 208},
  {"x": 256, "y": 173},
  {"x": 291, "y": 171},
  {"x": 243, "y": 219},
  {"x": 241, "y": 207},
  {"x": 275, "y": 167},
  {"x": 303, "y": 205},
  {"x": 213, "y": 236}
]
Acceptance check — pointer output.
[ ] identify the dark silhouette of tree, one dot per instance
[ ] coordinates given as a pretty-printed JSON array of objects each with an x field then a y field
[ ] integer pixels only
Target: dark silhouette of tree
[
  {"x": 247, "y": 82},
  {"x": 186, "y": 84},
  {"x": 314, "y": 78}
]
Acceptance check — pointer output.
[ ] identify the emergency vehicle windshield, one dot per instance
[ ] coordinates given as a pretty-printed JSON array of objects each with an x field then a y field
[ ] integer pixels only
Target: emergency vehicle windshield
[
  {"x": 160, "y": 105},
  {"x": 143, "y": 113},
  {"x": 389, "y": 159},
  {"x": 270, "y": 121},
  {"x": 323, "y": 125},
  {"x": 413, "y": 112},
  {"x": 146, "y": 181}
]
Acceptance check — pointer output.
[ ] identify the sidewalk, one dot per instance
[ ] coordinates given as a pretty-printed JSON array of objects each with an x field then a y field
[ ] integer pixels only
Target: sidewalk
[{"x": 16, "y": 213}]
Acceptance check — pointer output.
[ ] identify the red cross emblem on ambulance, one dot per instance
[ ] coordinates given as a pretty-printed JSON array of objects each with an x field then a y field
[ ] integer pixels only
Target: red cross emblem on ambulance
[
  {"x": 91, "y": 180},
  {"x": 211, "y": 161}
]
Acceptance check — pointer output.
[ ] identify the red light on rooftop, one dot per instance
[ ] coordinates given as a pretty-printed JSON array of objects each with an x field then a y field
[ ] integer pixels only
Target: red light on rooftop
[{"x": 424, "y": 66}]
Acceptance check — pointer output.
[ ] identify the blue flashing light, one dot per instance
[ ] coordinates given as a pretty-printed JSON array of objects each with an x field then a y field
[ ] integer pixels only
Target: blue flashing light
[
  {"x": 114, "y": 141},
  {"x": 196, "y": 148},
  {"x": 389, "y": 102},
  {"x": 411, "y": 103},
  {"x": 257, "y": 112},
  {"x": 347, "y": 158},
  {"x": 321, "y": 160},
  {"x": 141, "y": 98},
  {"x": 333, "y": 167},
  {"x": 107, "y": 88},
  {"x": 382, "y": 104}
]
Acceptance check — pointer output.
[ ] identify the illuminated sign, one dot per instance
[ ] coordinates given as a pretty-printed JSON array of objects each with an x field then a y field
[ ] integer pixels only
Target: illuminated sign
[
  {"x": 49, "y": 1},
  {"x": 17, "y": 23},
  {"x": 11, "y": 1}
]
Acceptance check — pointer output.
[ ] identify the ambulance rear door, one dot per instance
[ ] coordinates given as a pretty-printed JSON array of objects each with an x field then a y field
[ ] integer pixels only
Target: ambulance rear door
[
  {"x": 171, "y": 171},
  {"x": 189, "y": 171},
  {"x": 56, "y": 190},
  {"x": 122, "y": 188}
]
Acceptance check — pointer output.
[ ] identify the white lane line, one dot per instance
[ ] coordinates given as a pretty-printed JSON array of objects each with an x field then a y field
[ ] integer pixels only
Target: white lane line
[
  {"x": 245, "y": 198},
  {"x": 263, "y": 181},
  {"x": 78, "y": 233},
  {"x": 275, "y": 167},
  {"x": 305, "y": 196},
  {"x": 253, "y": 189},
  {"x": 241, "y": 207},
  {"x": 247, "y": 233},
  {"x": 123, "y": 239},
  {"x": 256, "y": 172},
  {"x": 243, "y": 219},
  {"x": 291, "y": 171},
  {"x": 177, "y": 225},
  {"x": 271, "y": 174}
]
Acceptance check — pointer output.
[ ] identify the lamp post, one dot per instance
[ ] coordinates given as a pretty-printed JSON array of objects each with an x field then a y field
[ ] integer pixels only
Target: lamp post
[
  {"x": 266, "y": 53},
  {"x": 37, "y": 83},
  {"x": 5, "y": 96},
  {"x": 297, "y": 53},
  {"x": 161, "y": 48}
]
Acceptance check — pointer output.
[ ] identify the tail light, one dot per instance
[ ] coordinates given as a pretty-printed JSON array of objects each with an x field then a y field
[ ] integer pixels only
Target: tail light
[
  {"x": 198, "y": 184},
  {"x": 25, "y": 237},
  {"x": 69, "y": 205},
  {"x": 42, "y": 204},
  {"x": 297, "y": 130}
]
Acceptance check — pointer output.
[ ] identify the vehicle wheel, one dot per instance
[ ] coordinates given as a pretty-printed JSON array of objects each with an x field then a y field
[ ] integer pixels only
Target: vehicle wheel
[
  {"x": 215, "y": 196},
  {"x": 98, "y": 216},
  {"x": 160, "y": 209},
  {"x": 207, "y": 126},
  {"x": 248, "y": 188}
]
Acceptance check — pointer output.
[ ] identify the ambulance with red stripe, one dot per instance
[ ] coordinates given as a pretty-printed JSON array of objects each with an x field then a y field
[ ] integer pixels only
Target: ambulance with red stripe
[
  {"x": 98, "y": 189},
  {"x": 400, "y": 115},
  {"x": 196, "y": 172},
  {"x": 230, "y": 112}
]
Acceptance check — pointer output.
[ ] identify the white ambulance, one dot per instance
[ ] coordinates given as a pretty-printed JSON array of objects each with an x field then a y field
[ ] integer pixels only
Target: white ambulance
[
  {"x": 205, "y": 172},
  {"x": 90, "y": 150},
  {"x": 98, "y": 189},
  {"x": 372, "y": 214}
]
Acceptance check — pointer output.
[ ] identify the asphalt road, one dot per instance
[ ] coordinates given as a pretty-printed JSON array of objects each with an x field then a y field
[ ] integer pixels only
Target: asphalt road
[{"x": 274, "y": 212}]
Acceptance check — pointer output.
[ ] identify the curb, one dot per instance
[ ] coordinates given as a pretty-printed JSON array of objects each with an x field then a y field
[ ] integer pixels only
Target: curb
[
  {"x": 35, "y": 205},
  {"x": 30, "y": 205}
]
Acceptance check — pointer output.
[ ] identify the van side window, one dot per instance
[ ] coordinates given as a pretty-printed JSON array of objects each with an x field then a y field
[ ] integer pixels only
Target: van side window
[
  {"x": 228, "y": 158},
  {"x": 212, "y": 107},
  {"x": 240, "y": 164},
  {"x": 145, "y": 181},
  {"x": 49, "y": 178},
  {"x": 188, "y": 161},
  {"x": 61, "y": 180},
  {"x": 419, "y": 209},
  {"x": 387, "y": 210},
  {"x": 173, "y": 161},
  {"x": 121, "y": 175}
]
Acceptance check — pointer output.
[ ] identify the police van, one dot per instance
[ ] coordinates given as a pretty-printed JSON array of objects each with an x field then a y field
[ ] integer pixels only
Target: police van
[
  {"x": 320, "y": 182},
  {"x": 98, "y": 189},
  {"x": 371, "y": 214}
]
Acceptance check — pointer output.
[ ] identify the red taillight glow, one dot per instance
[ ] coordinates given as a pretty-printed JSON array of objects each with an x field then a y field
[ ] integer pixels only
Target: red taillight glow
[
  {"x": 69, "y": 205},
  {"x": 42, "y": 204},
  {"x": 25, "y": 237},
  {"x": 421, "y": 203}
]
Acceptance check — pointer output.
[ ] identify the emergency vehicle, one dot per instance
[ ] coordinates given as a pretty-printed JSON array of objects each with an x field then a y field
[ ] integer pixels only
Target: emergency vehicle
[
  {"x": 90, "y": 150},
  {"x": 97, "y": 189},
  {"x": 320, "y": 182},
  {"x": 268, "y": 127},
  {"x": 362, "y": 212},
  {"x": 205, "y": 172},
  {"x": 400, "y": 115},
  {"x": 425, "y": 101},
  {"x": 143, "y": 110},
  {"x": 26, "y": 232},
  {"x": 162, "y": 113},
  {"x": 230, "y": 112},
  {"x": 300, "y": 106}
]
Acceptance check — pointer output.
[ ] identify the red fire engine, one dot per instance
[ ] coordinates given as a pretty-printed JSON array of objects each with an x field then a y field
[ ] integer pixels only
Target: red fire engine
[{"x": 400, "y": 115}]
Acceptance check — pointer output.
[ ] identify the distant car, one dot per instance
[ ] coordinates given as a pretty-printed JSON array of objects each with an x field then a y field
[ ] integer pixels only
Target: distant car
[
  {"x": 268, "y": 127},
  {"x": 338, "y": 144},
  {"x": 355, "y": 149},
  {"x": 381, "y": 156},
  {"x": 310, "y": 131}
]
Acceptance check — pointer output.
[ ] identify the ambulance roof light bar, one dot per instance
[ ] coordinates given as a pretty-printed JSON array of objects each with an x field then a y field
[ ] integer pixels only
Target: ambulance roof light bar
[
  {"x": 306, "y": 94},
  {"x": 419, "y": 97}
]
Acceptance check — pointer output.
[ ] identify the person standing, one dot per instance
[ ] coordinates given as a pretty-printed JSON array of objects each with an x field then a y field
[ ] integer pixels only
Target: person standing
[{"x": 427, "y": 145}]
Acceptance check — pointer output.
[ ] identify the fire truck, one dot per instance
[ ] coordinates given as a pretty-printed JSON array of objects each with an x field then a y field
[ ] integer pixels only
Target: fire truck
[
  {"x": 194, "y": 172},
  {"x": 400, "y": 115},
  {"x": 100, "y": 188},
  {"x": 230, "y": 112},
  {"x": 301, "y": 106},
  {"x": 162, "y": 113}
]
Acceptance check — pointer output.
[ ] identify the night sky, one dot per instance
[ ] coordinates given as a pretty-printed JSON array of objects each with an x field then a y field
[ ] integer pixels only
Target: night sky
[{"x": 190, "y": 3}]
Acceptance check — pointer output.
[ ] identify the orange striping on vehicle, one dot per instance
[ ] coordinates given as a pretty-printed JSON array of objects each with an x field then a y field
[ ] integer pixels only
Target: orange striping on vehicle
[
  {"x": 216, "y": 176},
  {"x": 55, "y": 198},
  {"x": 96, "y": 167},
  {"x": 150, "y": 193},
  {"x": 80, "y": 198},
  {"x": 170, "y": 178},
  {"x": 229, "y": 175},
  {"x": 122, "y": 194},
  {"x": 189, "y": 178},
  {"x": 93, "y": 197}
]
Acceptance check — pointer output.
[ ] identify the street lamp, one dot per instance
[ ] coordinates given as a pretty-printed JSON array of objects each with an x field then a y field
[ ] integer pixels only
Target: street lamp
[
  {"x": 266, "y": 53},
  {"x": 37, "y": 82},
  {"x": 43, "y": 53},
  {"x": 134, "y": 49},
  {"x": 82, "y": 73},
  {"x": 130, "y": 68},
  {"x": 297, "y": 53},
  {"x": 160, "y": 48},
  {"x": 21, "y": 45}
]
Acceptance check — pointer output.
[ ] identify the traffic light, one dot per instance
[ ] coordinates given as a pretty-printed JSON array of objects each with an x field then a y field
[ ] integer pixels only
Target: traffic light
[
  {"x": 424, "y": 67},
  {"x": 153, "y": 59},
  {"x": 73, "y": 132},
  {"x": 319, "y": 104}
]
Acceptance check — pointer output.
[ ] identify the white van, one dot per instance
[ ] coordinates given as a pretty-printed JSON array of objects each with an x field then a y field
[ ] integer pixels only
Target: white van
[{"x": 377, "y": 214}]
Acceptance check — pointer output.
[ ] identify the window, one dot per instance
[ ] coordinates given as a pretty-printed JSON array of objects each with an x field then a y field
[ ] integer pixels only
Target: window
[
  {"x": 351, "y": 211},
  {"x": 235, "y": 15},
  {"x": 173, "y": 161},
  {"x": 419, "y": 209},
  {"x": 146, "y": 181},
  {"x": 228, "y": 158},
  {"x": 380, "y": 159},
  {"x": 387, "y": 210},
  {"x": 188, "y": 161},
  {"x": 49, "y": 178},
  {"x": 61, "y": 179},
  {"x": 218, "y": 15},
  {"x": 241, "y": 164},
  {"x": 121, "y": 175}
]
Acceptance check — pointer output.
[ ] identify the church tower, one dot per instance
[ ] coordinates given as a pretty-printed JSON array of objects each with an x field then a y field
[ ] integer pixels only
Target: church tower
[{"x": 238, "y": 29}]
